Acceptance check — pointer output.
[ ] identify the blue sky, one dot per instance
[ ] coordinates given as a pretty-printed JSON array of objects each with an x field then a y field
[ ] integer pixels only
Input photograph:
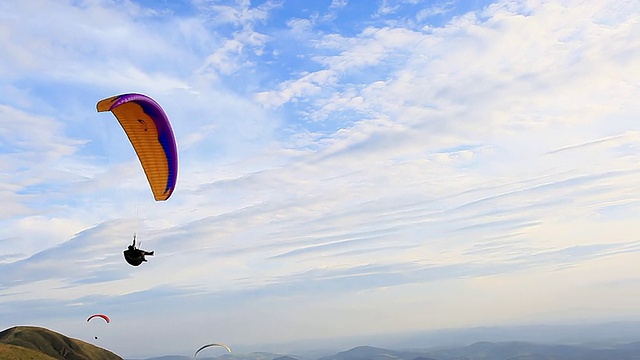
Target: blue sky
[{"x": 346, "y": 168}]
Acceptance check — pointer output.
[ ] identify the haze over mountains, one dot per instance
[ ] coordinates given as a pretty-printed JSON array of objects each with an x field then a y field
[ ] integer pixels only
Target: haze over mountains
[
  {"x": 36, "y": 343},
  {"x": 477, "y": 351}
]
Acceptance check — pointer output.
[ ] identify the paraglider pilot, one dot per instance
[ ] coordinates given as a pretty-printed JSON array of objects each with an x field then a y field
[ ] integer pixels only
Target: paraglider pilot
[{"x": 135, "y": 256}]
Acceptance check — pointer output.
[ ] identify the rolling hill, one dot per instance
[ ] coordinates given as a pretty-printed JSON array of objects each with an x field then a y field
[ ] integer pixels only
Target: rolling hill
[{"x": 36, "y": 343}]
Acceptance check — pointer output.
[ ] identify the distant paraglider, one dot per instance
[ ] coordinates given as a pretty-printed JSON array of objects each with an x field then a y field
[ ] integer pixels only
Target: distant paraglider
[
  {"x": 102, "y": 316},
  {"x": 135, "y": 256},
  {"x": 150, "y": 133},
  {"x": 210, "y": 345}
]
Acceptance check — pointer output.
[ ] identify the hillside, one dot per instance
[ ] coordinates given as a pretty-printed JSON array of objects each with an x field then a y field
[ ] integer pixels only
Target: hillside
[
  {"x": 31, "y": 342},
  {"x": 13, "y": 352}
]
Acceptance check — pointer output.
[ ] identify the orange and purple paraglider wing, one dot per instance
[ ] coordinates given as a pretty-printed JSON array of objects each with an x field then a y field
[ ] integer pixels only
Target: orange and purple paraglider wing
[{"x": 150, "y": 133}]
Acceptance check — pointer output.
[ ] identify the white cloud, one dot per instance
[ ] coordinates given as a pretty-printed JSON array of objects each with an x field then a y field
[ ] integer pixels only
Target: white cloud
[
  {"x": 30, "y": 135},
  {"x": 232, "y": 54},
  {"x": 437, "y": 9},
  {"x": 504, "y": 88},
  {"x": 337, "y": 4},
  {"x": 300, "y": 25},
  {"x": 240, "y": 13}
]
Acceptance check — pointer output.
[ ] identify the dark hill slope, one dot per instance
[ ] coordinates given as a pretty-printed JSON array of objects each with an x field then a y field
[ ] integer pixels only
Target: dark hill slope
[
  {"x": 51, "y": 344},
  {"x": 13, "y": 352}
]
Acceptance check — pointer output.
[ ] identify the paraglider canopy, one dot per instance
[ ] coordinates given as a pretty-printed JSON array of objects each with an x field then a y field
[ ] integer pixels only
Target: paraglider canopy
[
  {"x": 210, "y": 345},
  {"x": 148, "y": 128},
  {"x": 103, "y": 316}
]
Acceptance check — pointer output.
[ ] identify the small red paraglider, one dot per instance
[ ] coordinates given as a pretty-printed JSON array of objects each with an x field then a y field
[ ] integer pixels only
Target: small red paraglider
[{"x": 102, "y": 316}]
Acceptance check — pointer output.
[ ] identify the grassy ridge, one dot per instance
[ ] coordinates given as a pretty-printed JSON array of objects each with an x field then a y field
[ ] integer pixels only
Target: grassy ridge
[
  {"x": 31, "y": 342},
  {"x": 14, "y": 352}
]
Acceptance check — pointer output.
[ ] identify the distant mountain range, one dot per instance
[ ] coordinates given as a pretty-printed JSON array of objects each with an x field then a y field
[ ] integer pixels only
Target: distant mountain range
[
  {"x": 35, "y": 343},
  {"x": 513, "y": 350},
  {"x": 372, "y": 353}
]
